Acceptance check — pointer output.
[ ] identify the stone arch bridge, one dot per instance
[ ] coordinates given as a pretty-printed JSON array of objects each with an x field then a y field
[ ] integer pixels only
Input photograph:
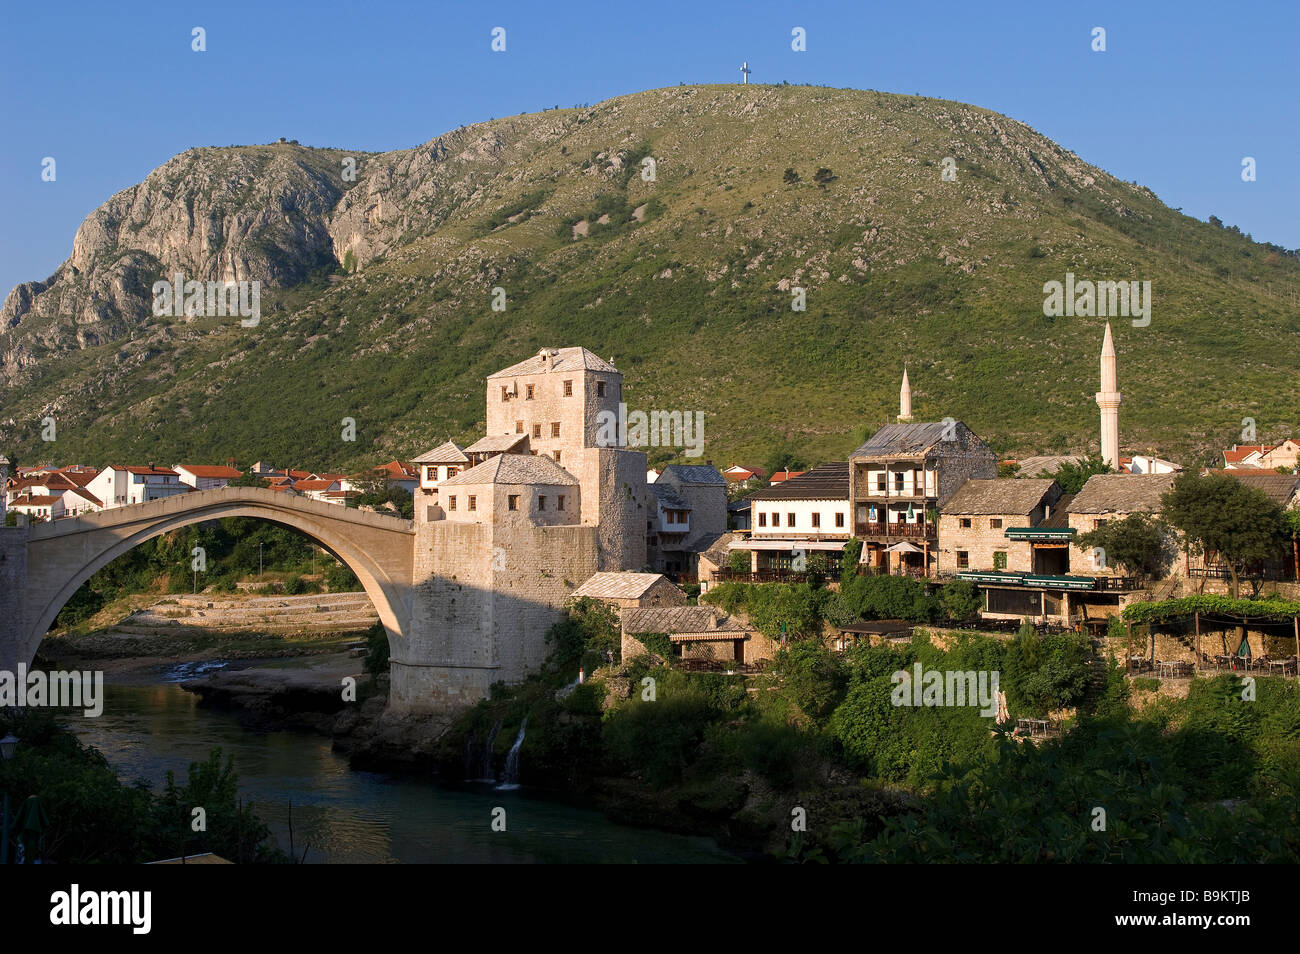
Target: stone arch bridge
[{"x": 43, "y": 564}]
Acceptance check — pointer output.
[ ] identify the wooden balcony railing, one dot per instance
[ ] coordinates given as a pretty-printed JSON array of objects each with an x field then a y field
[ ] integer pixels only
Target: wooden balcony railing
[
  {"x": 760, "y": 576},
  {"x": 894, "y": 529}
]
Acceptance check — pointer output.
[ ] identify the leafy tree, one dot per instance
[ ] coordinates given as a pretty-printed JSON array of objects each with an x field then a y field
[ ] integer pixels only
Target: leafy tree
[
  {"x": 1219, "y": 514},
  {"x": 247, "y": 479},
  {"x": 1135, "y": 543},
  {"x": 739, "y": 561},
  {"x": 791, "y": 177},
  {"x": 960, "y": 600},
  {"x": 814, "y": 677},
  {"x": 824, "y": 177},
  {"x": 1073, "y": 476},
  {"x": 849, "y": 558}
]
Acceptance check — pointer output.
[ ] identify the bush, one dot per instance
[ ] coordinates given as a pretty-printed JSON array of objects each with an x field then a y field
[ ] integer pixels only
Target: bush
[
  {"x": 961, "y": 601},
  {"x": 340, "y": 579},
  {"x": 813, "y": 677},
  {"x": 377, "y": 653}
]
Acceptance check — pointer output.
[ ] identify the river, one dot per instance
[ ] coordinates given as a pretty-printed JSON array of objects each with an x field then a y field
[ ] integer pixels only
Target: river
[{"x": 343, "y": 816}]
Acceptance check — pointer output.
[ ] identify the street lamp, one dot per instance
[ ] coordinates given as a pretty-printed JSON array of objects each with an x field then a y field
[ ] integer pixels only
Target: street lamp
[{"x": 7, "y": 746}]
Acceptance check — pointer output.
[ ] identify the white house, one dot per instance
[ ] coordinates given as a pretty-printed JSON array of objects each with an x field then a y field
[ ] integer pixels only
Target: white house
[
  {"x": 117, "y": 486},
  {"x": 792, "y": 519},
  {"x": 204, "y": 476},
  {"x": 435, "y": 466},
  {"x": 39, "y": 506}
]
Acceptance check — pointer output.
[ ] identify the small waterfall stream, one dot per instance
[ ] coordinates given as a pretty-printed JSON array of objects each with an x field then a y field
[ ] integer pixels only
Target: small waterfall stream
[{"x": 511, "y": 780}]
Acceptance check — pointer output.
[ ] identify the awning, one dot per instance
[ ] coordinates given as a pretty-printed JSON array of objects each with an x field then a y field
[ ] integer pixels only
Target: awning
[
  {"x": 834, "y": 545},
  {"x": 904, "y": 547}
]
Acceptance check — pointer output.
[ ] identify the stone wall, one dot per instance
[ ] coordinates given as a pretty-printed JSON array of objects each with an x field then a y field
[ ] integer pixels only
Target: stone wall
[
  {"x": 981, "y": 541},
  {"x": 708, "y": 506},
  {"x": 13, "y": 591},
  {"x": 616, "y": 500}
]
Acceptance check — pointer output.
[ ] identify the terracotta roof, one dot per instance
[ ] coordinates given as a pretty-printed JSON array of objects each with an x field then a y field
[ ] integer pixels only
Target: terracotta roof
[
  {"x": 827, "y": 482},
  {"x": 448, "y": 453},
  {"x": 679, "y": 619},
  {"x": 41, "y": 500},
  {"x": 398, "y": 470},
  {"x": 1122, "y": 493},
  {"x": 87, "y": 495},
  {"x": 785, "y": 475},
  {"x": 306, "y": 485},
  {"x": 1008, "y": 495},
  {"x": 79, "y": 475},
  {"x": 1242, "y": 451},
  {"x": 150, "y": 471},
  {"x": 739, "y": 472},
  {"x": 618, "y": 586},
  {"x": 496, "y": 444},
  {"x": 514, "y": 469},
  {"x": 565, "y": 360},
  {"x": 694, "y": 474},
  {"x": 210, "y": 470}
]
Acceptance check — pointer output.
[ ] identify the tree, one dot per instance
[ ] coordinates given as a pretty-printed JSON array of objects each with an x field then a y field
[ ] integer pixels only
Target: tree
[
  {"x": 1008, "y": 469},
  {"x": 1219, "y": 514},
  {"x": 791, "y": 177},
  {"x": 960, "y": 600},
  {"x": 1135, "y": 543},
  {"x": 247, "y": 479},
  {"x": 1072, "y": 476},
  {"x": 824, "y": 177}
]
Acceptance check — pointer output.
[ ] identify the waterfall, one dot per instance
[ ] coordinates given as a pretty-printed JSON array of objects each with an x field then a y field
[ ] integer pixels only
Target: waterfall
[{"x": 511, "y": 780}]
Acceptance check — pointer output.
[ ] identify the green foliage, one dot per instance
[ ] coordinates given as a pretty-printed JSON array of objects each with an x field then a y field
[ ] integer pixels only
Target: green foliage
[
  {"x": 656, "y": 740},
  {"x": 739, "y": 561},
  {"x": 889, "y": 597},
  {"x": 792, "y": 609},
  {"x": 591, "y": 627},
  {"x": 656, "y": 644},
  {"x": 1270, "y": 608},
  {"x": 339, "y": 579},
  {"x": 813, "y": 677},
  {"x": 1135, "y": 542},
  {"x": 961, "y": 601},
  {"x": 849, "y": 558},
  {"x": 377, "y": 651},
  {"x": 1072, "y": 476},
  {"x": 1219, "y": 514}
]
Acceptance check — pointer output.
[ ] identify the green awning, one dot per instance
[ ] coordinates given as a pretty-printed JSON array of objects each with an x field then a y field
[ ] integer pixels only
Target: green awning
[
  {"x": 1040, "y": 533},
  {"x": 1062, "y": 582}
]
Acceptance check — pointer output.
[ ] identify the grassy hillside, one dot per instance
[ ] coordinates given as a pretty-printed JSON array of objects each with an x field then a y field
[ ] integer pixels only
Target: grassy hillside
[{"x": 685, "y": 282}]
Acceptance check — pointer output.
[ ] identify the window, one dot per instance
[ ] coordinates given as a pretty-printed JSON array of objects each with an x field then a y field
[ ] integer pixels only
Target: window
[
  {"x": 504, "y": 393},
  {"x": 963, "y": 559},
  {"x": 963, "y": 522},
  {"x": 999, "y": 559},
  {"x": 555, "y": 428},
  {"x": 898, "y": 481},
  {"x": 762, "y": 520},
  {"x": 541, "y": 501},
  {"x": 839, "y": 520},
  {"x": 789, "y": 520},
  {"x": 918, "y": 483},
  {"x": 473, "y": 502},
  {"x": 568, "y": 389},
  {"x": 816, "y": 519},
  {"x": 880, "y": 483},
  {"x": 431, "y": 473},
  {"x": 559, "y": 502},
  {"x": 995, "y": 523},
  {"x": 1098, "y": 523},
  {"x": 600, "y": 389},
  {"x": 451, "y": 503},
  {"x": 537, "y": 430},
  {"x": 513, "y": 501},
  {"x": 519, "y": 427},
  {"x": 776, "y": 519},
  {"x": 528, "y": 392},
  {"x": 453, "y": 471},
  {"x": 557, "y": 456}
]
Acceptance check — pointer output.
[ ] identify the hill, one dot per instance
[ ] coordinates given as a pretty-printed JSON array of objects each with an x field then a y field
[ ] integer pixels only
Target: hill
[{"x": 378, "y": 291}]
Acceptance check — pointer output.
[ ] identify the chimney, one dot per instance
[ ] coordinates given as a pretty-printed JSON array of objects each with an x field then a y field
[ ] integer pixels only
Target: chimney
[{"x": 545, "y": 355}]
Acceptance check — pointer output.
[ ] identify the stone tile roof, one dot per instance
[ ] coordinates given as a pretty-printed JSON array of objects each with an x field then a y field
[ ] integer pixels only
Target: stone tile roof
[
  {"x": 1059, "y": 519},
  {"x": 668, "y": 497},
  {"x": 1046, "y": 464},
  {"x": 696, "y": 474},
  {"x": 910, "y": 438},
  {"x": 562, "y": 360},
  {"x": 679, "y": 619},
  {"x": 1122, "y": 493},
  {"x": 1279, "y": 488},
  {"x": 448, "y": 453},
  {"x": 827, "y": 482},
  {"x": 1009, "y": 495},
  {"x": 514, "y": 469},
  {"x": 618, "y": 586},
  {"x": 496, "y": 443},
  {"x": 716, "y": 548}
]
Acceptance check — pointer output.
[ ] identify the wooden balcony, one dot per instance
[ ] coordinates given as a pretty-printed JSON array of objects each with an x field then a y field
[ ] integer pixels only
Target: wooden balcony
[
  {"x": 905, "y": 530},
  {"x": 761, "y": 576}
]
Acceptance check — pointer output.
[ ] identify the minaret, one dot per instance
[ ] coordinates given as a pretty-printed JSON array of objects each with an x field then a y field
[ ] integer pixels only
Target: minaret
[
  {"x": 1108, "y": 399},
  {"x": 905, "y": 399}
]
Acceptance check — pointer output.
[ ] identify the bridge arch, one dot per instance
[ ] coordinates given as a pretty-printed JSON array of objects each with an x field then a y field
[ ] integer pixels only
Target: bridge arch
[{"x": 64, "y": 554}]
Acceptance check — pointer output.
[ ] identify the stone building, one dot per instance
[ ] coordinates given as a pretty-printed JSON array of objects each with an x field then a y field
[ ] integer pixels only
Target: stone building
[
  {"x": 631, "y": 590},
  {"x": 798, "y": 517},
  {"x": 705, "y": 489},
  {"x": 1107, "y": 497},
  {"x": 444, "y": 461},
  {"x": 898, "y": 482},
  {"x": 690, "y": 511},
  {"x": 697, "y": 632},
  {"x": 976, "y": 526}
]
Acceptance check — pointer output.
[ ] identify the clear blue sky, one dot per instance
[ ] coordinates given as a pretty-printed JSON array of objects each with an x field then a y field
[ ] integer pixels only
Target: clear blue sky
[{"x": 112, "y": 90}]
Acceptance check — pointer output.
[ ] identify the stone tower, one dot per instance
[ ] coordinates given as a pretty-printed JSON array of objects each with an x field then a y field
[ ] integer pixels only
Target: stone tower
[
  {"x": 1108, "y": 399},
  {"x": 905, "y": 399}
]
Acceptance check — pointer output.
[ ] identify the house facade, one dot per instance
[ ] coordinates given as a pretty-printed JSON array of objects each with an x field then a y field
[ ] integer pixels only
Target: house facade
[
  {"x": 976, "y": 527},
  {"x": 118, "y": 486},
  {"x": 795, "y": 518},
  {"x": 205, "y": 476}
]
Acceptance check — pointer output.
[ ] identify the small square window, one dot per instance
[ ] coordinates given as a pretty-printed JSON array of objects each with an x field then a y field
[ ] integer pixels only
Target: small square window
[
  {"x": 762, "y": 520},
  {"x": 557, "y": 456},
  {"x": 519, "y": 427},
  {"x": 537, "y": 430},
  {"x": 816, "y": 519},
  {"x": 541, "y": 501},
  {"x": 555, "y": 428},
  {"x": 839, "y": 520},
  {"x": 568, "y": 389},
  {"x": 963, "y": 559},
  {"x": 528, "y": 392},
  {"x": 880, "y": 482},
  {"x": 995, "y": 523},
  {"x": 473, "y": 502},
  {"x": 513, "y": 501},
  {"x": 504, "y": 393},
  {"x": 776, "y": 519},
  {"x": 451, "y": 503},
  {"x": 963, "y": 522}
]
